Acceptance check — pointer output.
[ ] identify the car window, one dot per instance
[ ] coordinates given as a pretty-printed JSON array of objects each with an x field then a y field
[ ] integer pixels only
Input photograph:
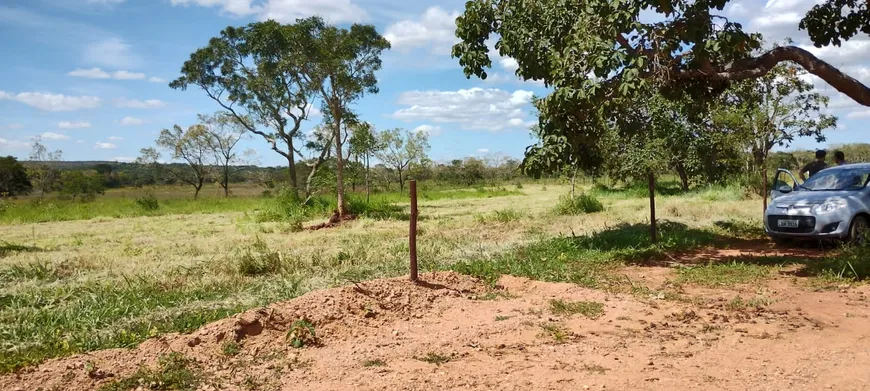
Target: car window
[{"x": 840, "y": 179}]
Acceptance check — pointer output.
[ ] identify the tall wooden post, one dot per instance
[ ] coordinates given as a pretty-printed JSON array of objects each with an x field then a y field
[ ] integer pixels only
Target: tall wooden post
[{"x": 412, "y": 237}]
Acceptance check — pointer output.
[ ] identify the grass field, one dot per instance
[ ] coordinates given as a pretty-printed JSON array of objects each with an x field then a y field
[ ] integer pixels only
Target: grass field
[{"x": 105, "y": 274}]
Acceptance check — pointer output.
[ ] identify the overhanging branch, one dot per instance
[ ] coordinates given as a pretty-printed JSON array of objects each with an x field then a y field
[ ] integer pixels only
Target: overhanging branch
[{"x": 759, "y": 66}]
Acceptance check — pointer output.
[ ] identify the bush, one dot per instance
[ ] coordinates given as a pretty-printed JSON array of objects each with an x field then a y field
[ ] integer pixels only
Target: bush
[
  {"x": 148, "y": 201},
  {"x": 580, "y": 204},
  {"x": 257, "y": 259}
]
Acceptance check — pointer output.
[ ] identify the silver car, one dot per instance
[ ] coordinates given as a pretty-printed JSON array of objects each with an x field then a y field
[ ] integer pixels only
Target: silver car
[{"x": 832, "y": 204}]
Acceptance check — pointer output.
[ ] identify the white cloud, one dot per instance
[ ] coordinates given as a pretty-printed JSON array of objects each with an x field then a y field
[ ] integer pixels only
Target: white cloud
[
  {"x": 80, "y": 141},
  {"x": 508, "y": 64},
  {"x": 115, "y": 138},
  {"x": 131, "y": 121},
  {"x": 435, "y": 30},
  {"x": 483, "y": 151},
  {"x": 54, "y": 136},
  {"x": 124, "y": 159},
  {"x": 9, "y": 145},
  {"x": 101, "y": 145},
  {"x": 127, "y": 75},
  {"x": 860, "y": 114},
  {"x": 472, "y": 109},
  {"x": 233, "y": 7},
  {"x": 334, "y": 11},
  {"x": 286, "y": 11},
  {"x": 107, "y": 2},
  {"x": 93, "y": 73},
  {"x": 111, "y": 52},
  {"x": 97, "y": 73},
  {"x": 156, "y": 80},
  {"x": 429, "y": 130},
  {"x": 53, "y": 102},
  {"x": 12, "y": 126},
  {"x": 139, "y": 104},
  {"x": 73, "y": 125}
]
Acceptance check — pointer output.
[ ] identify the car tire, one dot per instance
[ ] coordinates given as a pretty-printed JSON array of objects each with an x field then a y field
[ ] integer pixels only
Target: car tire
[{"x": 858, "y": 230}]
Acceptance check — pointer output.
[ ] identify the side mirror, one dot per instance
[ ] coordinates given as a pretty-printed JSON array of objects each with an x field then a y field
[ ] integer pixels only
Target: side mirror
[{"x": 784, "y": 188}]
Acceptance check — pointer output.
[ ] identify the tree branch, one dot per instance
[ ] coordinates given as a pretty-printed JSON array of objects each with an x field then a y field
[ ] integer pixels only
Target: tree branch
[{"x": 759, "y": 66}]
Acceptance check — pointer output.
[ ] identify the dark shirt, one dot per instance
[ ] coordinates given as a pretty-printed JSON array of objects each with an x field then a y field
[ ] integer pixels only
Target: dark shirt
[{"x": 813, "y": 167}]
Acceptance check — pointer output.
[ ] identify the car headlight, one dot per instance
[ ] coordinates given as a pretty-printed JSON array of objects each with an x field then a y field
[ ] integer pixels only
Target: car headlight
[{"x": 829, "y": 207}]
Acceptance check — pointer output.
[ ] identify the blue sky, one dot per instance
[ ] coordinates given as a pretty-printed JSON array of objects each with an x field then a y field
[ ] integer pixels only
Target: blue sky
[{"x": 90, "y": 76}]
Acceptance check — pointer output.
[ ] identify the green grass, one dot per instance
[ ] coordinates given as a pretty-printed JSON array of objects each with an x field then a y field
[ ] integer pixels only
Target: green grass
[
  {"x": 231, "y": 348},
  {"x": 556, "y": 331},
  {"x": 55, "y": 210},
  {"x": 374, "y": 363},
  {"x": 584, "y": 260},
  {"x": 580, "y": 204},
  {"x": 500, "y": 216},
  {"x": 722, "y": 274},
  {"x": 435, "y": 358},
  {"x": 7, "y": 248},
  {"x": 589, "y": 309},
  {"x": 381, "y": 206},
  {"x": 174, "y": 372}
]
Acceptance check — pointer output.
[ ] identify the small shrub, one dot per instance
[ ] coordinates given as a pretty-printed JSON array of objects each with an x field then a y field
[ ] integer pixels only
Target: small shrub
[
  {"x": 590, "y": 309},
  {"x": 556, "y": 331},
  {"x": 583, "y": 203},
  {"x": 257, "y": 259},
  {"x": 174, "y": 372},
  {"x": 434, "y": 358},
  {"x": 519, "y": 185},
  {"x": 148, "y": 201},
  {"x": 231, "y": 348},
  {"x": 301, "y": 334},
  {"x": 374, "y": 363},
  {"x": 499, "y": 216}
]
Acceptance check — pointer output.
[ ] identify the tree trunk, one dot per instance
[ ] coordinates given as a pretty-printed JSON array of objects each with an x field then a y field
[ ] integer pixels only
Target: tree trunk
[
  {"x": 401, "y": 182},
  {"x": 226, "y": 182},
  {"x": 573, "y": 182},
  {"x": 291, "y": 164},
  {"x": 653, "y": 233},
  {"x": 368, "y": 191},
  {"x": 341, "y": 208},
  {"x": 684, "y": 177},
  {"x": 196, "y": 191},
  {"x": 764, "y": 186}
]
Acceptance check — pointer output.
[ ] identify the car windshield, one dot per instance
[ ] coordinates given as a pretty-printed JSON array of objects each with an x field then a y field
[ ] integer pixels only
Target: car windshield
[{"x": 840, "y": 179}]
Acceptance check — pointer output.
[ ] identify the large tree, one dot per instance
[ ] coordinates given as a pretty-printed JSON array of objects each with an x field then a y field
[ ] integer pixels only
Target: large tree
[
  {"x": 343, "y": 63},
  {"x": 259, "y": 74},
  {"x": 604, "y": 47},
  {"x": 13, "y": 178},
  {"x": 400, "y": 149},
  {"x": 190, "y": 146},
  {"x": 44, "y": 171},
  {"x": 364, "y": 143},
  {"x": 223, "y": 132},
  {"x": 772, "y": 111}
]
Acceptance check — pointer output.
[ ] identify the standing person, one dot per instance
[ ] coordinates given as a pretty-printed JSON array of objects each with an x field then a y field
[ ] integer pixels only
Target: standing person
[
  {"x": 814, "y": 166},
  {"x": 840, "y": 158}
]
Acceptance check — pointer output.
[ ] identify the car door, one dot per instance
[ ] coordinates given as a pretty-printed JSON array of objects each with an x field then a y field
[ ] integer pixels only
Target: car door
[{"x": 783, "y": 183}]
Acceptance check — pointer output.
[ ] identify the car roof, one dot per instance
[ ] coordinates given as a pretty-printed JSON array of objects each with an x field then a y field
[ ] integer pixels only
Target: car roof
[{"x": 852, "y": 166}]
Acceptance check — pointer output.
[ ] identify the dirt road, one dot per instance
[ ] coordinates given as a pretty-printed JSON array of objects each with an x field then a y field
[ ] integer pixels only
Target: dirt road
[{"x": 455, "y": 333}]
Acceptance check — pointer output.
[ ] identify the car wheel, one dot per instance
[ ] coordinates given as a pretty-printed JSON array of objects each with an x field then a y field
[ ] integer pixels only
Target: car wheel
[{"x": 858, "y": 231}]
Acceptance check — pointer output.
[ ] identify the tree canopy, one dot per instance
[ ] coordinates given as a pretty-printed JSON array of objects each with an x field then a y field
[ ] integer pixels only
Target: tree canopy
[
  {"x": 13, "y": 178},
  {"x": 604, "y": 49}
]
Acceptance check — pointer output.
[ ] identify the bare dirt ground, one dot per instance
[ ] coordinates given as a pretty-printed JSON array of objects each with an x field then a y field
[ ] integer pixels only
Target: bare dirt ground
[{"x": 454, "y": 332}]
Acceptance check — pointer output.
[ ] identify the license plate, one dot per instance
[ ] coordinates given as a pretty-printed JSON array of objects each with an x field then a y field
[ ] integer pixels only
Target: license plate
[{"x": 787, "y": 223}]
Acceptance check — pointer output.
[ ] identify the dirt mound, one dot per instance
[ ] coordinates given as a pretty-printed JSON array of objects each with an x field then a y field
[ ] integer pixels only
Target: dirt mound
[{"x": 453, "y": 332}]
